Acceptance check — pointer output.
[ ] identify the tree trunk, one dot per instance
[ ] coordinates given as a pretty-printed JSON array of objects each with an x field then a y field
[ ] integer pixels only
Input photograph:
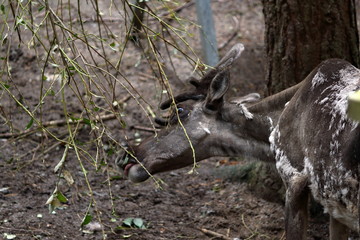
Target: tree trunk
[{"x": 301, "y": 34}]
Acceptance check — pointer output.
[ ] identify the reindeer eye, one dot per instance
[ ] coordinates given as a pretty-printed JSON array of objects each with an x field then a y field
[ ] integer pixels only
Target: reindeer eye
[{"x": 183, "y": 112}]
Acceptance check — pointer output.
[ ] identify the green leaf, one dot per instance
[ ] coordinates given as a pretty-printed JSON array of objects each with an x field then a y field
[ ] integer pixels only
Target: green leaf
[
  {"x": 155, "y": 36},
  {"x": 110, "y": 151},
  {"x": 122, "y": 123},
  {"x": 117, "y": 177},
  {"x": 53, "y": 203},
  {"x": 128, "y": 222},
  {"x": 74, "y": 119},
  {"x": 80, "y": 143},
  {"x": 113, "y": 46},
  {"x": 134, "y": 223},
  {"x": 86, "y": 220},
  {"x": 41, "y": 8},
  {"x": 61, "y": 197},
  {"x": 139, "y": 223},
  {"x": 87, "y": 121},
  {"x": 2, "y": 8},
  {"x": 31, "y": 122},
  {"x": 51, "y": 92}
]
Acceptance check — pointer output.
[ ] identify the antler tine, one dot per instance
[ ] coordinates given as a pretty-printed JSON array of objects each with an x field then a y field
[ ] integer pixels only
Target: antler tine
[
  {"x": 224, "y": 64},
  {"x": 230, "y": 57},
  {"x": 203, "y": 84}
]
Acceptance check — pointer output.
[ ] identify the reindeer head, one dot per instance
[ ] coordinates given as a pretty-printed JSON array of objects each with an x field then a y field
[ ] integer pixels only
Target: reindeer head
[{"x": 201, "y": 126}]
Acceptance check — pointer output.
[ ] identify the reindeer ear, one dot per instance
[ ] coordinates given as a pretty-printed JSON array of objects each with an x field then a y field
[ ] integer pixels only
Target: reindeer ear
[
  {"x": 230, "y": 57},
  {"x": 218, "y": 87}
]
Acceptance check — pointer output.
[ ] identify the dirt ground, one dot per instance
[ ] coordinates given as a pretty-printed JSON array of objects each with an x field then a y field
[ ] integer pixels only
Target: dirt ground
[{"x": 185, "y": 207}]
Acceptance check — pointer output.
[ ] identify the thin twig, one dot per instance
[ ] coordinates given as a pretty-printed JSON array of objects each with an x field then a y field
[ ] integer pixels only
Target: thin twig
[
  {"x": 61, "y": 122},
  {"x": 147, "y": 76},
  {"x": 176, "y": 10},
  {"x": 215, "y": 234},
  {"x": 253, "y": 233},
  {"x": 92, "y": 19},
  {"x": 145, "y": 129},
  {"x": 18, "y": 134}
]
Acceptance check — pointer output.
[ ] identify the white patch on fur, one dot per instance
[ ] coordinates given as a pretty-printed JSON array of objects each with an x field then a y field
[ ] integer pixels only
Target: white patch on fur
[
  {"x": 283, "y": 164},
  {"x": 333, "y": 195},
  {"x": 206, "y": 129},
  {"x": 272, "y": 138},
  {"x": 350, "y": 77},
  {"x": 318, "y": 79},
  {"x": 336, "y": 102},
  {"x": 271, "y": 123},
  {"x": 248, "y": 115},
  {"x": 335, "y": 202},
  {"x": 314, "y": 179}
]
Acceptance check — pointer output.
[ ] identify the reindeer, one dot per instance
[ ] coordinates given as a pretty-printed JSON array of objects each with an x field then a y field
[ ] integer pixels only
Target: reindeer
[{"x": 304, "y": 130}]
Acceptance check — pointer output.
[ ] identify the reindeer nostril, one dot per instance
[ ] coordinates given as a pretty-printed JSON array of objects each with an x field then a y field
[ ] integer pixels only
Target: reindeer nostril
[
  {"x": 125, "y": 159},
  {"x": 119, "y": 160}
]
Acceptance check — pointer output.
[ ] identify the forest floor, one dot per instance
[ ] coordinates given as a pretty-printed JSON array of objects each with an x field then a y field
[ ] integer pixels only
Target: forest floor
[{"x": 185, "y": 207}]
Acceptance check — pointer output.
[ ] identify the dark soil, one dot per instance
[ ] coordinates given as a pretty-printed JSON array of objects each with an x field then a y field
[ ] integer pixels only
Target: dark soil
[{"x": 184, "y": 207}]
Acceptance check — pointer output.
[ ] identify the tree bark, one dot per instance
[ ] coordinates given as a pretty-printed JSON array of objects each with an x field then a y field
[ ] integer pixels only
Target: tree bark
[{"x": 301, "y": 34}]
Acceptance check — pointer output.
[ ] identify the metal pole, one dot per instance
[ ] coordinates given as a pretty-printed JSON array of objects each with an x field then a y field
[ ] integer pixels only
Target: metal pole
[{"x": 207, "y": 32}]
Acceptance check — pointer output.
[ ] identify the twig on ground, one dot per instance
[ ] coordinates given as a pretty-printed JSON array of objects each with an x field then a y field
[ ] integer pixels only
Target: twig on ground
[
  {"x": 18, "y": 134},
  {"x": 62, "y": 122},
  {"x": 254, "y": 233},
  {"x": 215, "y": 234},
  {"x": 145, "y": 129}
]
